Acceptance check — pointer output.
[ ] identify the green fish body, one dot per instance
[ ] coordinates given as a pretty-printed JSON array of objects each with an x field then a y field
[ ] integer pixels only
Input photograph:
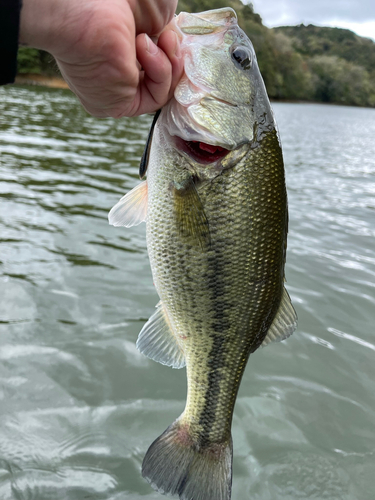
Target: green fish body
[{"x": 215, "y": 204}]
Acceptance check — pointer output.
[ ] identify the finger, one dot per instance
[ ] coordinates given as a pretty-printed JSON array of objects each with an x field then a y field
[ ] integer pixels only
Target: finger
[
  {"x": 151, "y": 16},
  {"x": 156, "y": 79},
  {"x": 169, "y": 43}
]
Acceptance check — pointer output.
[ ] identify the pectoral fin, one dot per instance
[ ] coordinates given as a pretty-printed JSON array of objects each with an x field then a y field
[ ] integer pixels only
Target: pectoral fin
[
  {"x": 191, "y": 220},
  {"x": 284, "y": 323},
  {"x": 131, "y": 210},
  {"x": 158, "y": 341}
]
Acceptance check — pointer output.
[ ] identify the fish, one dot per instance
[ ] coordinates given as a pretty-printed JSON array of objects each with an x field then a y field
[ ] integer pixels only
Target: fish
[{"x": 214, "y": 200}]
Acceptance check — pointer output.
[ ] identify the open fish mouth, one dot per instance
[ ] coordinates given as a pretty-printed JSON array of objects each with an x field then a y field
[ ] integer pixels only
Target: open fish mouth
[{"x": 201, "y": 152}]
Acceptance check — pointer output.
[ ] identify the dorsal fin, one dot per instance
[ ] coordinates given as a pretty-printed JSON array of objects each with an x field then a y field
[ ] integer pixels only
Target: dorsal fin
[{"x": 146, "y": 153}]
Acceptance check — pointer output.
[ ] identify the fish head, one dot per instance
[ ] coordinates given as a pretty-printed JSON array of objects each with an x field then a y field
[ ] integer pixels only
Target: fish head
[{"x": 220, "y": 104}]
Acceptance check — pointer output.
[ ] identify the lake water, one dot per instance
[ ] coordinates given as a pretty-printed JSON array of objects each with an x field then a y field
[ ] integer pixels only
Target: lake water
[{"x": 79, "y": 405}]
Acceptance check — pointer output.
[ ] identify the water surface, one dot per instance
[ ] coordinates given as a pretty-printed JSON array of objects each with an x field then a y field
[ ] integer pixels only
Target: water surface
[{"x": 79, "y": 405}]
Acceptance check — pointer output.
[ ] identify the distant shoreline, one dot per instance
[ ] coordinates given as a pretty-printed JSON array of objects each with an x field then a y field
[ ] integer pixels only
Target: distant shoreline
[{"x": 55, "y": 82}]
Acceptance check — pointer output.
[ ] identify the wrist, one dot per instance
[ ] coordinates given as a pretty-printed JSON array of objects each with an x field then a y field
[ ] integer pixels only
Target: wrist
[
  {"x": 54, "y": 25},
  {"x": 37, "y": 23},
  {"x": 72, "y": 29}
]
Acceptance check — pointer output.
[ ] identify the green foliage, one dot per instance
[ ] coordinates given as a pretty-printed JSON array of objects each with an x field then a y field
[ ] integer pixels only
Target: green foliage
[
  {"x": 35, "y": 61},
  {"x": 313, "y": 40},
  {"x": 337, "y": 80},
  {"x": 341, "y": 65},
  {"x": 297, "y": 62},
  {"x": 29, "y": 60},
  {"x": 292, "y": 78}
]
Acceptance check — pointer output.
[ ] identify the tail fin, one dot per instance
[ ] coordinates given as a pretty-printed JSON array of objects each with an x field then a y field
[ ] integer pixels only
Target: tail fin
[{"x": 174, "y": 464}]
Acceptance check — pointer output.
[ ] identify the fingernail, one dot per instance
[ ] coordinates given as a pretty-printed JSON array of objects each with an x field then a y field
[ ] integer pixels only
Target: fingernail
[
  {"x": 177, "y": 51},
  {"x": 150, "y": 46}
]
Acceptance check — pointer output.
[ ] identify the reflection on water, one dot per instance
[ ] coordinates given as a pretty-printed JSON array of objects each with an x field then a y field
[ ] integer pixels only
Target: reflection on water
[{"x": 80, "y": 405}]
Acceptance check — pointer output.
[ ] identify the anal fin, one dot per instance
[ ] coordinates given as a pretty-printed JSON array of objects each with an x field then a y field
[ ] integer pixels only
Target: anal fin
[
  {"x": 158, "y": 341},
  {"x": 284, "y": 323}
]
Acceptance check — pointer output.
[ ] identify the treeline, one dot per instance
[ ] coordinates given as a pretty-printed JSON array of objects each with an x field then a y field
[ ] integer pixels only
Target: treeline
[
  {"x": 37, "y": 62},
  {"x": 307, "y": 63},
  {"x": 339, "y": 66}
]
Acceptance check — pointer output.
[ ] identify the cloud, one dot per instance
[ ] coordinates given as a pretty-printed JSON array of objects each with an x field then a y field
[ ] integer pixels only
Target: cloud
[
  {"x": 366, "y": 29},
  {"x": 279, "y": 12}
]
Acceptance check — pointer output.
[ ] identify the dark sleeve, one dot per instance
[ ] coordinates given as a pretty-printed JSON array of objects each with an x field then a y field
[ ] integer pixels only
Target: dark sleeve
[{"x": 9, "y": 31}]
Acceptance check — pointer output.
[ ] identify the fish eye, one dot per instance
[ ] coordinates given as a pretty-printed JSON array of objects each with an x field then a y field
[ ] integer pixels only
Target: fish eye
[{"x": 241, "y": 57}]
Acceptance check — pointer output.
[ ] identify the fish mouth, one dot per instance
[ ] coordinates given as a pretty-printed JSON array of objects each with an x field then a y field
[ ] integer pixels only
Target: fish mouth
[{"x": 201, "y": 152}]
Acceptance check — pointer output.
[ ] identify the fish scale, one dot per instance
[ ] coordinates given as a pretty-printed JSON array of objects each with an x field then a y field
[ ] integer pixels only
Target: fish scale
[{"x": 243, "y": 268}]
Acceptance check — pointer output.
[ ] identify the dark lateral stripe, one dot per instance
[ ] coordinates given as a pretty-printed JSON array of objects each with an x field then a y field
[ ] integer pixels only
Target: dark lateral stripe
[{"x": 217, "y": 356}]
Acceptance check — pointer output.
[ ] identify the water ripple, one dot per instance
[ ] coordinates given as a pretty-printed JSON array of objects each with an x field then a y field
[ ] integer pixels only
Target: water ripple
[{"x": 80, "y": 405}]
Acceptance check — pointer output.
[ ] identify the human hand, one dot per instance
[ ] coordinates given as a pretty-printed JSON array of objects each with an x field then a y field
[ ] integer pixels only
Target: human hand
[{"x": 104, "y": 52}]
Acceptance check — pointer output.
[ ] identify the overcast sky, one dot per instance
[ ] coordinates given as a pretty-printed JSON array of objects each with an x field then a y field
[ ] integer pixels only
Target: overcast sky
[{"x": 356, "y": 15}]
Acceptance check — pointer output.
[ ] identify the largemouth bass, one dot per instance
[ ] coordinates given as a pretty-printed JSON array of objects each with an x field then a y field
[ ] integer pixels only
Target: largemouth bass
[{"x": 215, "y": 205}]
